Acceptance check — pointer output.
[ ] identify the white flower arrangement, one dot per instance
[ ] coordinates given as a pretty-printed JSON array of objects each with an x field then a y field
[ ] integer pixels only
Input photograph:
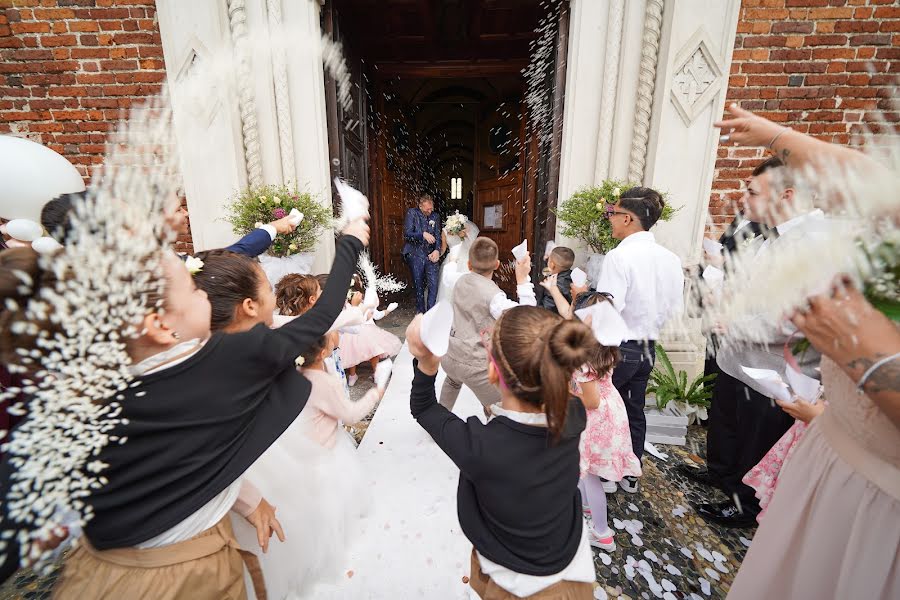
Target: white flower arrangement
[
  {"x": 194, "y": 265},
  {"x": 456, "y": 223}
]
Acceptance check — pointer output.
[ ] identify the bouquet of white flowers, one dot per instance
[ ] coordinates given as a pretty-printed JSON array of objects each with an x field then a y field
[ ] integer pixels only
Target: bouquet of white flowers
[{"x": 456, "y": 223}]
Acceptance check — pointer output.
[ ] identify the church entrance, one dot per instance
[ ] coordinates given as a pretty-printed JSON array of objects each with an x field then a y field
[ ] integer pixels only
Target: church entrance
[{"x": 441, "y": 106}]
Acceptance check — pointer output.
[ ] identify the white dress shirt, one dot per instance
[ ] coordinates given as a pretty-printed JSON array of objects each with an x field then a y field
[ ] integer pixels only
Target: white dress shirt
[
  {"x": 646, "y": 282},
  {"x": 499, "y": 303}
]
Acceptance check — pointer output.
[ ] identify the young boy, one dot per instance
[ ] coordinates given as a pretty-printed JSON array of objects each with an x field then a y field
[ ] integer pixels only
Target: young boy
[
  {"x": 560, "y": 264},
  {"x": 477, "y": 303}
]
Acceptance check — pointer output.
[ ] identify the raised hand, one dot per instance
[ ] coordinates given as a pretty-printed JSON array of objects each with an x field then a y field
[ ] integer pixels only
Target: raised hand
[
  {"x": 549, "y": 282},
  {"x": 283, "y": 225},
  {"x": 263, "y": 519},
  {"x": 523, "y": 268},
  {"x": 428, "y": 362},
  {"x": 358, "y": 229},
  {"x": 747, "y": 129}
]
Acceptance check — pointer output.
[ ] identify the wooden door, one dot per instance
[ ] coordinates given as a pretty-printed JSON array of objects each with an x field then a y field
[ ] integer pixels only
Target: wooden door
[{"x": 501, "y": 210}]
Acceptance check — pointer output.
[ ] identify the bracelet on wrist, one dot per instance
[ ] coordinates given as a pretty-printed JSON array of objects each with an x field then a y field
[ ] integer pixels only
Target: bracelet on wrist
[
  {"x": 778, "y": 135},
  {"x": 875, "y": 366}
]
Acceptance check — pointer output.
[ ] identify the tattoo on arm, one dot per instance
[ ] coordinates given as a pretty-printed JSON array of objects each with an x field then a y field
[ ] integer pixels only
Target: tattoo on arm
[
  {"x": 885, "y": 379},
  {"x": 785, "y": 153}
]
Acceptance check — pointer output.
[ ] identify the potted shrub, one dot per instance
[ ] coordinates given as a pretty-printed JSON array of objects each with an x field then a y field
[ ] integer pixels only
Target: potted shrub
[
  {"x": 583, "y": 217},
  {"x": 289, "y": 253},
  {"x": 677, "y": 402}
]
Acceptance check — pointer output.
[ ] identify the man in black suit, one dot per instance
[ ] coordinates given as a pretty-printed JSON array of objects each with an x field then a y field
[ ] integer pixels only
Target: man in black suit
[{"x": 722, "y": 451}]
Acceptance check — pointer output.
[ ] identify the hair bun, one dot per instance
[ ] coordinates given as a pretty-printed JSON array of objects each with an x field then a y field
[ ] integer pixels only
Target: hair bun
[{"x": 570, "y": 343}]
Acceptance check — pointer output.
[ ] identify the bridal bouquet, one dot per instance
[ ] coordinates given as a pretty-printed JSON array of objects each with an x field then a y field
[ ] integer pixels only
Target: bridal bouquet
[{"x": 456, "y": 223}]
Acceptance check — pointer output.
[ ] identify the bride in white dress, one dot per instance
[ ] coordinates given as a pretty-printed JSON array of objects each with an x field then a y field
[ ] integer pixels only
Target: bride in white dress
[{"x": 457, "y": 263}]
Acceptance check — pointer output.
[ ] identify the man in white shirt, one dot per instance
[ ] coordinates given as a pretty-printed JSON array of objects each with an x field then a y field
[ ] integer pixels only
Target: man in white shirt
[
  {"x": 646, "y": 282},
  {"x": 748, "y": 422}
]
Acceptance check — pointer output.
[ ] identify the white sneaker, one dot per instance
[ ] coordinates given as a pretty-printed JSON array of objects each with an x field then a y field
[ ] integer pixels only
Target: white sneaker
[
  {"x": 603, "y": 540},
  {"x": 352, "y": 379},
  {"x": 629, "y": 484},
  {"x": 609, "y": 487}
]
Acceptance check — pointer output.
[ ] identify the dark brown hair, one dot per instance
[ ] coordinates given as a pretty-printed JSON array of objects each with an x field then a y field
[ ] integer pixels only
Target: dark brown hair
[
  {"x": 781, "y": 176},
  {"x": 563, "y": 257},
  {"x": 17, "y": 264},
  {"x": 537, "y": 351},
  {"x": 606, "y": 357},
  {"x": 483, "y": 255},
  {"x": 646, "y": 204},
  {"x": 228, "y": 278},
  {"x": 293, "y": 293},
  {"x": 312, "y": 352}
]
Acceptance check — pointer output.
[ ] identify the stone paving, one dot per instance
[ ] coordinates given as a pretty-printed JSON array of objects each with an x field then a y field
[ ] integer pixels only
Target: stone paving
[{"x": 664, "y": 549}]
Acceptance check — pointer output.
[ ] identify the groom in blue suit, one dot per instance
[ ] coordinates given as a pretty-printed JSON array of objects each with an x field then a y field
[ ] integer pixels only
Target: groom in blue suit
[{"x": 422, "y": 250}]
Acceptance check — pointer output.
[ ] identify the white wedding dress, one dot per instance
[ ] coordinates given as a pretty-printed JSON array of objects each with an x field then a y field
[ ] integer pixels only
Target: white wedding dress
[{"x": 451, "y": 269}]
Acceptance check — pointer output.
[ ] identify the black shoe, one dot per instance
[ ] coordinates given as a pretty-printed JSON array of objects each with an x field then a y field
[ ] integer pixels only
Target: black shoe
[
  {"x": 698, "y": 475},
  {"x": 726, "y": 514}
]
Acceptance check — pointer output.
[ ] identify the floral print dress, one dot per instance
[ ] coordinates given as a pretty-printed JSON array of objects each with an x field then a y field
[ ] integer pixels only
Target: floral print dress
[
  {"x": 764, "y": 476},
  {"x": 606, "y": 442}
]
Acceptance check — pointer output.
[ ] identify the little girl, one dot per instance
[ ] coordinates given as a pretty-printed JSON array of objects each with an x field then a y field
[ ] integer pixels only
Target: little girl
[
  {"x": 606, "y": 453},
  {"x": 369, "y": 343},
  {"x": 764, "y": 476},
  {"x": 518, "y": 500}
]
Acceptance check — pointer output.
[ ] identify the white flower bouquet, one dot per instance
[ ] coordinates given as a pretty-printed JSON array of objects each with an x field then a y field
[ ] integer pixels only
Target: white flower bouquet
[{"x": 456, "y": 223}]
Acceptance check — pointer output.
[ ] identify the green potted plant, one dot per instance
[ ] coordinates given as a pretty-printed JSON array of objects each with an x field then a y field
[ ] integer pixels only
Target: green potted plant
[
  {"x": 583, "y": 217},
  {"x": 677, "y": 401},
  {"x": 291, "y": 252}
]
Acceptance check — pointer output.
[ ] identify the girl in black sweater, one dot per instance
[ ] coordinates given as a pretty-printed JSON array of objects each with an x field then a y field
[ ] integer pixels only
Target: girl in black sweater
[
  {"x": 518, "y": 500},
  {"x": 203, "y": 409}
]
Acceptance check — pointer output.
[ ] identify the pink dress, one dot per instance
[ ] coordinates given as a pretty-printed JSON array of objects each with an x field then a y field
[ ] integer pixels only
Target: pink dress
[
  {"x": 606, "y": 442},
  {"x": 368, "y": 342},
  {"x": 764, "y": 476}
]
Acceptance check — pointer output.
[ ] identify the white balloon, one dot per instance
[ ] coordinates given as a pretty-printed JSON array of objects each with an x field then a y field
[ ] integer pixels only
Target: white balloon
[
  {"x": 24, "y": 230},
  {"x": 45, "y": 245},
  {"x": 31, "y": 176}
]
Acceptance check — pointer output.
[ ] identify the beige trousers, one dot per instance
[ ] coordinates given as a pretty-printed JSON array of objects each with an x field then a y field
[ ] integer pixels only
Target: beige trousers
[{"x": 473, "y": 377}]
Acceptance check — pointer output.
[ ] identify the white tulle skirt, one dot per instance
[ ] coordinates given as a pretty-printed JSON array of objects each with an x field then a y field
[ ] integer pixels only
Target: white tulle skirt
[{"x": 319, "y": 498}]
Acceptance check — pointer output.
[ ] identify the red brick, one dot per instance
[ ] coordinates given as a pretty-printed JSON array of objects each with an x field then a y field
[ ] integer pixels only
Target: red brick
[
  {"x": 870, "y": 40},
  {"x": 830, "y": 13},
  {"x": 58, "y": 40},
  {"x": 111, "y": 25},
  {"x": 29, "y": 27},
  {"x": 825, "y": 40},
  {"x": 793, "y": 27}
]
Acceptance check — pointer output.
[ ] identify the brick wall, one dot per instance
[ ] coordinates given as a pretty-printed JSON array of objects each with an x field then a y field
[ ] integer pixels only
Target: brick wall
[
  {"x": 823, "y": 67},
  {"x": 68, "y": 68}
]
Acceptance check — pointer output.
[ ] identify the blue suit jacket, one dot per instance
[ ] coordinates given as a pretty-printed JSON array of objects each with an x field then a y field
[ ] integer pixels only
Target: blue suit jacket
[
  {"x": 414, "y": 225},
  {"x": 253, "y": 244}
]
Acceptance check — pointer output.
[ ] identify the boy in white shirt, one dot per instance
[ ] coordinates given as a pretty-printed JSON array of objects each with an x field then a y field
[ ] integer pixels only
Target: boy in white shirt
[{"x": 647, "y": 285}]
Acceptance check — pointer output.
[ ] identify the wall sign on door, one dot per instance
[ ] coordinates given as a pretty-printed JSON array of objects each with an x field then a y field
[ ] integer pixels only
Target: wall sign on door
[{"x": 493, "y": 216}]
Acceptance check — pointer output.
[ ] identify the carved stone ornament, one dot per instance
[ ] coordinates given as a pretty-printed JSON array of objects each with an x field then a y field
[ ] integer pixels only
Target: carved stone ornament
[{"x": 698, "y": 77}]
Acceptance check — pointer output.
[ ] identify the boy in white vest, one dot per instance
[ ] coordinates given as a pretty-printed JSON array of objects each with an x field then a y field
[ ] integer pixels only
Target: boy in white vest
[{"x": 477, "y": 304}]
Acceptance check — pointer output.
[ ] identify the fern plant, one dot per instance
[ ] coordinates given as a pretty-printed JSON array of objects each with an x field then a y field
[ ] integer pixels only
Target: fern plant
[{"x": 670, "y": 385}]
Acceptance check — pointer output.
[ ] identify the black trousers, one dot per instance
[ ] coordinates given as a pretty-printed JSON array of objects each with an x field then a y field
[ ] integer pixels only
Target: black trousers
[
  {"x": 743, "y": 427},
  {"x": 630, "y": 378}
]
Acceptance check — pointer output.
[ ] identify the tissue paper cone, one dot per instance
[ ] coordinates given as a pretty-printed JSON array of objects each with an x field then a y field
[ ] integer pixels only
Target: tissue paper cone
[
  {"x": 383, "y": 373},
  {"x": 354, "y": 205},
  {"x": 607, "y": 324},
  {"x": 520, "y": 250},
  {"x": 579, "y": 277},
  {"x": 435, "y": 328},
  {"x": 770, "y": 381}
]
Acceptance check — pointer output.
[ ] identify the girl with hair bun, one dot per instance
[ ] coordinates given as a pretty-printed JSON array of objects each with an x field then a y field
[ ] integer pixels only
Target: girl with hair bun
[{"x": 518, "y": 500}]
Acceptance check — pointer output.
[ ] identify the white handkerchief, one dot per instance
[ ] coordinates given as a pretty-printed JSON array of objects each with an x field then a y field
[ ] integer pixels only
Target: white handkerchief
[
  {"x": 712, "y": 246},
  {"x": 436, "y": 326},
  {"x": 370, "y": 299},
  {"x": 606, "y": 322},
  {"x": 770, "y": 381},
  {"x": 713, "y": 276},
  {"x": 579, "y": 277},
  {"x": 550, "y": 246},
  {"x": 354, "y": 205},
  {"x": 520, "y": 250},
  {"x": 804, "y": 386},
  {"x": 295, "y": 217},
  {"x": 383, "y": 373}
]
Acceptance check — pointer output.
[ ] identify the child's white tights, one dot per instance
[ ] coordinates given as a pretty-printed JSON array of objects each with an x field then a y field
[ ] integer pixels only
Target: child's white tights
[{"x": 594, "y": 496}]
